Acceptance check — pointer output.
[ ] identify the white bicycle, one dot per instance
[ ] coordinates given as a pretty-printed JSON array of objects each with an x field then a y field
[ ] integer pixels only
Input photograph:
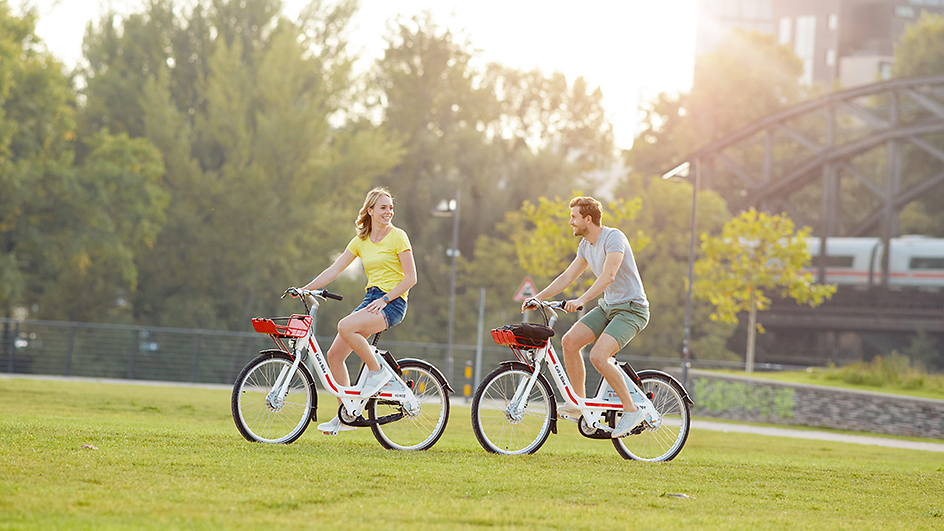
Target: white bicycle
[
  {"x": 274, "y": 397},
  {"x": 514, "y": 409}
]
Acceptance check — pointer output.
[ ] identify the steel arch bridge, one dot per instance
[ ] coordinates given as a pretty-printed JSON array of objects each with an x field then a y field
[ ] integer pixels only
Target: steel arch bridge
[{"x": 845, "y": 164}]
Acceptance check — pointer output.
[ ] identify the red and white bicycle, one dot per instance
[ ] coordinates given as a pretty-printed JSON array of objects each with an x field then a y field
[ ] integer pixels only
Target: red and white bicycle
[
  {"x": 274, "y": 397},
  {"x": 514, "y": 409}
]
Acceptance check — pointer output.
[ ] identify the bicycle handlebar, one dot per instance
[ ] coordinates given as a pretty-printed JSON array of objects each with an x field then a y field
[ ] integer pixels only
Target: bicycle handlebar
[
  {"x": 324, "y": 294},
  {"x": 558, "y": 305}
]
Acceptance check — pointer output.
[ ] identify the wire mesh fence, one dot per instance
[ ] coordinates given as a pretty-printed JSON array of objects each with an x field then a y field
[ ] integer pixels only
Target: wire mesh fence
[{"x": 216, "y": 357}]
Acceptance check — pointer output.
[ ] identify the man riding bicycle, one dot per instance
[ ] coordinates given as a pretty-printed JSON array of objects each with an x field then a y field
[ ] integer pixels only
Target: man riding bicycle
[{"x": 620, "y": 314}]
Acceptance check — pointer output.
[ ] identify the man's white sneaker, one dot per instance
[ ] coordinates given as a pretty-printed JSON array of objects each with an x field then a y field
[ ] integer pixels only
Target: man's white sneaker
[
  {"x": 373, "y": 381},
  {"x": 569, "y": 410},
  {"x": 627, "y": 422},
  {"x": 335, "y": 424}
]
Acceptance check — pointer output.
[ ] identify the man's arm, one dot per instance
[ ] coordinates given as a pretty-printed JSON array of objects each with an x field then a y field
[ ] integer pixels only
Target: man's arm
[
  {"x": 610, "y": 266},
  {"x": 578, "y": 266}
]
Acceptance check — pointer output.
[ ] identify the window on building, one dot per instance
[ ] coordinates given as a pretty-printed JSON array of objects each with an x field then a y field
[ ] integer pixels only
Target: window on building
[
  {"x": 831, "y": 57},
  {"x": 833, "y": 21},
  {"x": 805, "y": 45},
  {"x": 885, "y": 70},
  {"x": 785, "y": 35}
]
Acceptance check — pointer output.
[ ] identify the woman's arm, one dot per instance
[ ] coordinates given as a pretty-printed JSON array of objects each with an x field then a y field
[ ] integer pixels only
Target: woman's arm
[{"x": 332, "y": 272}]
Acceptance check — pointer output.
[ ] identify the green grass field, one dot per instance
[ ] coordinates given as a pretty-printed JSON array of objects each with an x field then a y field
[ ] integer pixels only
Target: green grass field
[{"x": 171, "y": 458}]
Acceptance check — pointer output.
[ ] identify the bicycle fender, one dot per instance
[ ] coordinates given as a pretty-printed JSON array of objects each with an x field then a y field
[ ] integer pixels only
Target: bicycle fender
[
  {"x": 653, "y": 372},
  {"x": 435, "y": 370},
  {"x": 525, "y": 367},
  {"x": 313, "y": 414}
]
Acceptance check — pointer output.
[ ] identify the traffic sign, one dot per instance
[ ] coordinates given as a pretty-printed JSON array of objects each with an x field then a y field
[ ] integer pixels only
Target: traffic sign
[{"x": 526, "y": 290}]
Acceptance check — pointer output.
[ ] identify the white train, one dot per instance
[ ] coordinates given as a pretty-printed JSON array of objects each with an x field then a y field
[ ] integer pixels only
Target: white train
[{"x": 914, "y": 261}]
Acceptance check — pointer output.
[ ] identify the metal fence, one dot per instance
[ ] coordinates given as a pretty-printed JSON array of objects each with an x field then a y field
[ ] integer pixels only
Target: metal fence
[
  {"x": 216, "y": 357},
  {"x": 181, "y": 355}
]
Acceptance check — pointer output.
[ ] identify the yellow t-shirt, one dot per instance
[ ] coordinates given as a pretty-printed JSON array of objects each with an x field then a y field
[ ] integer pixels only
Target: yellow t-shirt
[{"x": 382, "y": 260}]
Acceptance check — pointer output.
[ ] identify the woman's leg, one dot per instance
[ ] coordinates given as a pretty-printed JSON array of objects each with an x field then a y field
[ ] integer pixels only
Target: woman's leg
[
  {"x": 354, "y": 329},
  {"x": 336, "y": 356}
]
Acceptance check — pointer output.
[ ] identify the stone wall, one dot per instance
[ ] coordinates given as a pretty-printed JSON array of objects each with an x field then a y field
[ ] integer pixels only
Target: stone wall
[{"x": 758, "y": 400}]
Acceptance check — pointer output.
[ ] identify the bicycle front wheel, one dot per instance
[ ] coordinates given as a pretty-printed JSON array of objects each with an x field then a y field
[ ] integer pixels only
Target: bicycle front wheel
[
  {"x": 418, "y": 432},
  {"x": 499, "y": 425},
  {"x": 666, "y": 441},
  {"x": 261, "y": 415}
]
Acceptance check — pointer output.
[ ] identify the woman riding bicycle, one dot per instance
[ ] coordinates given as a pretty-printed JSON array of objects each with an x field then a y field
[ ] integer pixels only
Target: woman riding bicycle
[{"x": 388, "y": 261}]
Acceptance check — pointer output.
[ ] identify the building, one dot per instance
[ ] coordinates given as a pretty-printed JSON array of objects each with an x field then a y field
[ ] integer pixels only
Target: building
[{"x": 849, "y": 42}]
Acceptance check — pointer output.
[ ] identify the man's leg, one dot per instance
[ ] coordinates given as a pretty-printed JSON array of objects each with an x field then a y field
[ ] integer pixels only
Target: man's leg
[
  {"x": 605, "y": 348},
  {"x": 575, "y": 339}
]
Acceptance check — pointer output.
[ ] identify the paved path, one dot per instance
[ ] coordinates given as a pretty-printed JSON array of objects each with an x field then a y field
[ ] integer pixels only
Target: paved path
[{"x": 817, "y": 435}]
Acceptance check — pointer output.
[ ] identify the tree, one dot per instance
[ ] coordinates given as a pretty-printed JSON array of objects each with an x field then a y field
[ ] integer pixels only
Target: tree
[
  {"x": 500, "y": 136},
  {"x": 921, "y": 53},
  {"x": 262, "y": 155},
  {"x": 746, "y": 77},
  {"x": 74, "y": 209},
  {"x": 755, "y": 254}
]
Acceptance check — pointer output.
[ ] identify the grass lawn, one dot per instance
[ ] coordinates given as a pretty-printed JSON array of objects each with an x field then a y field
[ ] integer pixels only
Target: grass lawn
[{"x": 170, "y": 457}]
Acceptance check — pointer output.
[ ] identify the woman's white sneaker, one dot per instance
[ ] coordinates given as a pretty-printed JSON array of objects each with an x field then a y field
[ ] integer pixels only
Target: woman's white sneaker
[{"x": 334, "y": 425}]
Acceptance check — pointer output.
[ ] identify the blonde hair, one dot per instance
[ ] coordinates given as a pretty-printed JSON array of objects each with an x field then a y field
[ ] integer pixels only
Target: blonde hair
[{"x": 363, "y": 223}]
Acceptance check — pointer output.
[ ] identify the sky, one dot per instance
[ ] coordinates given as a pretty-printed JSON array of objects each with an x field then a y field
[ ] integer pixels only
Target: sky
[{"x": 631, "y": 49}]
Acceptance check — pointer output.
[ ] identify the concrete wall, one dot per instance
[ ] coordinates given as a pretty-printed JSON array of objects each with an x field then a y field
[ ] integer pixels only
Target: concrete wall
[{"x": 758, "y": 400}]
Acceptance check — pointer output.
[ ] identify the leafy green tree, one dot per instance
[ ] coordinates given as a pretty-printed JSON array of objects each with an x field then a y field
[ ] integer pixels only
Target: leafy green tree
[
  {"x": 262, "y": 156},
  {"x": 70, "y": 224},
  {"x": 746, "y": 77},
  {"x": 921, "y": 53},
  {"x": 497, "y": 135},
  {"x": 756, "y": 254}
]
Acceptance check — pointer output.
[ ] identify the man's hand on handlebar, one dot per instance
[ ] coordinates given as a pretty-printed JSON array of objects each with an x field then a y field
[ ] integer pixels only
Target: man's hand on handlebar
[
  {"x": 572, "y": 306},
  {"x": 567, "y": 306}
]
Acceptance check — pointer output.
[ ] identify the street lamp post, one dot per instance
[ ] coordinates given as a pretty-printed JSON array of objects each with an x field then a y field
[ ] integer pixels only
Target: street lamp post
[
  {"x": 683, "y": 171},
  {"x": 444, "y": 209}
]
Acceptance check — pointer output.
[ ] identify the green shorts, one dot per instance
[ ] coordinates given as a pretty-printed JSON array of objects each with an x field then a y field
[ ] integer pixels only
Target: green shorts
[{"x": 622, "y": 322}]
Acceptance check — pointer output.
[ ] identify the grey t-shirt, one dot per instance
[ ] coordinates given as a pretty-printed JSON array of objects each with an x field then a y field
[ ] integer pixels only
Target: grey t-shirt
[{"x": 627, "y": 286}]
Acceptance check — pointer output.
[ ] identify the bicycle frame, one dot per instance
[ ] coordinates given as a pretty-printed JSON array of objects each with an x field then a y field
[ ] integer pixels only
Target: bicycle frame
[
  {"x": 352, "y": 398},
  {"x": 593, "y": 409}
]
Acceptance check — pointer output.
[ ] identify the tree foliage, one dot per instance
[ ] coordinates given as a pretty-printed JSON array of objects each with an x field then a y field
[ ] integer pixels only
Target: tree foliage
[
  {"x": 756, "y": 255},
  {"x": 74, "y": 209},
  {"x": 746, "y": 77},
  {"x": 497, "y": 136},
  {"x": 240, "y": 102},
  {"x": 921, "y": 53}
]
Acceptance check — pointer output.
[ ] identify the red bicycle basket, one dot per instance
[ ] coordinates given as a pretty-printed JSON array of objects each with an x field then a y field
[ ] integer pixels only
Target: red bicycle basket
[
  {"x": 297, "y": 326},
  {"x": 507, "y": 336}
]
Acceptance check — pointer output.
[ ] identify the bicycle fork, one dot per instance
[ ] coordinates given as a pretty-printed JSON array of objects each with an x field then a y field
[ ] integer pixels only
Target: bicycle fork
[{"x": 518, "y": 402}]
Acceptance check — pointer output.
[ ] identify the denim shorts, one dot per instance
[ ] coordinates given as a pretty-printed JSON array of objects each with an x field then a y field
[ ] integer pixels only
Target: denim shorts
[{"x": 393, "y": 312}]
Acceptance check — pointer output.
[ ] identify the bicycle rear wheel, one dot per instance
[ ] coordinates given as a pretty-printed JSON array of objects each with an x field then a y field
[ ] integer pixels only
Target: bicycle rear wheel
[
  {"x": 422, "y": 431},
  {"x": 497, "y": 426},
  {"x": 262, "y": 417},
  {"x": 666, "y": 441}
]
